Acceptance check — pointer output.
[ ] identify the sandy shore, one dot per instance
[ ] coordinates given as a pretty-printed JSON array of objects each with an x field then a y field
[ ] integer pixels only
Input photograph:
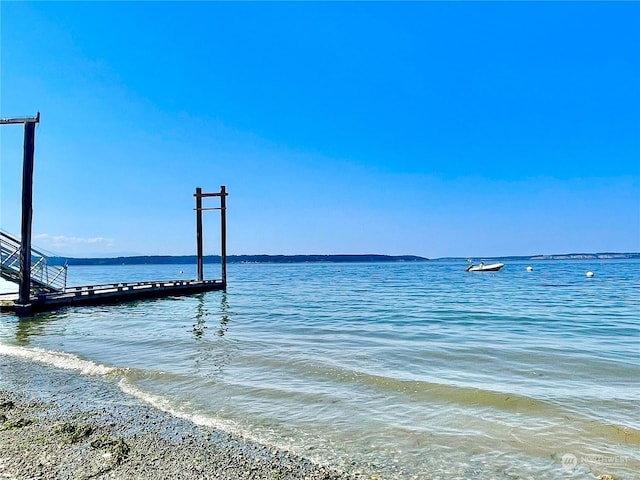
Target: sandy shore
[{"x": 56, "y": 424}]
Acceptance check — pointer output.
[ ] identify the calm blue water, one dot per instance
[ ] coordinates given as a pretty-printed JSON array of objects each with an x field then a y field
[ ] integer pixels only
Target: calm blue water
[{"x": 400, "y": 371}]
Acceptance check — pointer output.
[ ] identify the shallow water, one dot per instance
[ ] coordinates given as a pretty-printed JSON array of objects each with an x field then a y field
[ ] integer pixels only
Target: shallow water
[{"x": 406, "y": 370}]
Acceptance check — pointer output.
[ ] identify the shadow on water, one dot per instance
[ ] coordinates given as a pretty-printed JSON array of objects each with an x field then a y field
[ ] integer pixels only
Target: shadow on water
[
  {"x": 36, "y": 324},
  {"x": 33, "y": 326}
]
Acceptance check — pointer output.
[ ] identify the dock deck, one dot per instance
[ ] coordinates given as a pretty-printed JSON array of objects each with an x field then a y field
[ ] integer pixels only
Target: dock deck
[{"x": 107, "y": 294}]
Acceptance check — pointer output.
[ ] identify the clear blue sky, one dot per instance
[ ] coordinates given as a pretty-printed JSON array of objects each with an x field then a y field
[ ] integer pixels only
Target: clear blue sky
[{"x": 430, "y": 128}]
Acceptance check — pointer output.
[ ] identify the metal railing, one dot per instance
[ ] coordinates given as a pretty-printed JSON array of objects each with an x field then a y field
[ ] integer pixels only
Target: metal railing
[{"x": 45, "y": 278}]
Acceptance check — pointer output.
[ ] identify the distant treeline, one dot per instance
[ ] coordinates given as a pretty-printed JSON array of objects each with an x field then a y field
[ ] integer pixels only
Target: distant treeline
[{"x": 192, "y": 259}]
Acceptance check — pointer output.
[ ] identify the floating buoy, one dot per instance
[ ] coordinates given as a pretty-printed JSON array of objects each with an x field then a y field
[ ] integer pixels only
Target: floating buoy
[
  {"x": 529, "y": 269},
  {"x": 589, "y": 274}
]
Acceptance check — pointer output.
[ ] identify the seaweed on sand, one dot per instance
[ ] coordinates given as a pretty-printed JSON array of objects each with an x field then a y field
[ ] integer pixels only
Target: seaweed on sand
[
  {"x": 118, "y": 448},
  {"x": 75, "y": 432}
]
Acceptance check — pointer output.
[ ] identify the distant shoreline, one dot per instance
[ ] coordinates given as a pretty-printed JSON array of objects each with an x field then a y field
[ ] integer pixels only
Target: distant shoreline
[{"x": 365, "y": 258}]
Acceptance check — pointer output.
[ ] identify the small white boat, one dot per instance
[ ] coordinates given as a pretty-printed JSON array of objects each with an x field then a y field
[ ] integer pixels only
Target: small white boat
[{"x": 492, "y": 267}]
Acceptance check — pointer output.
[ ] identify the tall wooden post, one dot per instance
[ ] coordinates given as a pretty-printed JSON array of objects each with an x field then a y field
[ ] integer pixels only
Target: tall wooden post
[
  {"x": 24, "y": 292},
  {"x": 198, "y": 196},
  {"x": 223, "y": 234}
]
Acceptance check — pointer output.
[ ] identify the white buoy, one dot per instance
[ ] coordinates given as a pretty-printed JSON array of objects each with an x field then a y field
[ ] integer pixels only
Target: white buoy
[
  {"x": 529, "y": 269},
  {"x": 589, "y": 274}
]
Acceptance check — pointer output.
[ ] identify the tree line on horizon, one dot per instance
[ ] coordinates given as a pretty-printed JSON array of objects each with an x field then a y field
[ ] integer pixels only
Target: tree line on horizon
[{"x": 340, "y": 258}]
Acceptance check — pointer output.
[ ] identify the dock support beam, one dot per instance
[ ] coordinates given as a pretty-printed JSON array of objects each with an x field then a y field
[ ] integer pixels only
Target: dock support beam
[
  {"x": 198, "y": 196},
  {"x": 223, "y": 234},
  {"x": 24, "y": 292}
]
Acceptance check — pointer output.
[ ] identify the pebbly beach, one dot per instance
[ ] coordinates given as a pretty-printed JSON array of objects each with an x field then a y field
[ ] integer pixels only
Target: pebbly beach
[{"x": 55, "y": 424}]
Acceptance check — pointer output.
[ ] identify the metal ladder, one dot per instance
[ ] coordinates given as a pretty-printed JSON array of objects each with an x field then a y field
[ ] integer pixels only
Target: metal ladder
[{"x": 44, "y": 278}]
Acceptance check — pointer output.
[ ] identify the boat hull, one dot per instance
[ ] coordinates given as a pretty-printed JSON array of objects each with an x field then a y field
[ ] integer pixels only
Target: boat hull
[{"x": 494, "y": 267}]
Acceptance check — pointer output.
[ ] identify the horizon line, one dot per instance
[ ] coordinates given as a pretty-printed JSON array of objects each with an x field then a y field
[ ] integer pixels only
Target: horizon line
[{"x": 537, "y": 255}]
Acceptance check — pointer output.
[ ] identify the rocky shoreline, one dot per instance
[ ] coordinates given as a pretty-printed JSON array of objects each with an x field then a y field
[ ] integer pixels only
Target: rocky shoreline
[{"x": 55, "y": 425}]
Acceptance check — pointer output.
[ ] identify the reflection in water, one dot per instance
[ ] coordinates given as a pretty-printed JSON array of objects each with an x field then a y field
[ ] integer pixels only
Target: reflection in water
[
  {"x": 202, "y": 313},
  {"x": 212, "y": 353},
  {"x": 224, "y": 310},
  {"x": 201, "y": 325}
]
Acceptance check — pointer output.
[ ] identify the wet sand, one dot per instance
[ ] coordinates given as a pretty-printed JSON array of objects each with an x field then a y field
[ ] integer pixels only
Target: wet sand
[{"x": 56, "y": 424}]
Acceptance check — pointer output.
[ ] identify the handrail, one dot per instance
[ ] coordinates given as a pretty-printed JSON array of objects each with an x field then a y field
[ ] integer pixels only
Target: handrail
[
  {"x": 44, "y": 277},
  {"x": 16, "y": 241}
]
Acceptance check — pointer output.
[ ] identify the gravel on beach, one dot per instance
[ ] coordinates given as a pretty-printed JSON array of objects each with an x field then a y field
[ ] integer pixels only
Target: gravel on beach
[{"x": 56, "y": 424}]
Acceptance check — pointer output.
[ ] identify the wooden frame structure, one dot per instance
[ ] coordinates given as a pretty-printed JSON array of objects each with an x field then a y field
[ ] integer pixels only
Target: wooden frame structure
[{"x": 223, "y": 229}]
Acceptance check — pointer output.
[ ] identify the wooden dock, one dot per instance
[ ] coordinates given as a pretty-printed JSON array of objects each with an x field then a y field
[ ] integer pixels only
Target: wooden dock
[
  {"x": 43, "y": 287},
  {"x": 107, "y": 294}
]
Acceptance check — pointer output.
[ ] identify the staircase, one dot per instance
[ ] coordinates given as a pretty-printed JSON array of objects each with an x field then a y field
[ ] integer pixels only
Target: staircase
[{"x": 44, "y": 278}]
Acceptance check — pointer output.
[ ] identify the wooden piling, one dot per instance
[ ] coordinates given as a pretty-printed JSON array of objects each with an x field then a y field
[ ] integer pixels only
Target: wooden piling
[
  {"x": 223, "y": 234},
  {"x": 24, "y": 292},
  {"x": 198, "y": 196}
]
